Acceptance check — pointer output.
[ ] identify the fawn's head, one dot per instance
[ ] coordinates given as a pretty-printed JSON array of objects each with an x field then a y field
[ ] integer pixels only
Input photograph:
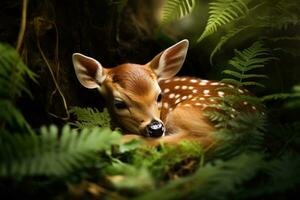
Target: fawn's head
[{"x": 131, "y": 90}]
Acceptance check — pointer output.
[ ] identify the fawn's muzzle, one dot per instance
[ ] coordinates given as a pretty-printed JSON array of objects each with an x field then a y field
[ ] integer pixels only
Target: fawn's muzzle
[{"x": 155, "y": 129}]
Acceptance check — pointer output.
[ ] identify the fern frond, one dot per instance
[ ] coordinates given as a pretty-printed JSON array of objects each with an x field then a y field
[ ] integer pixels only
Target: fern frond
[
  {"x": 254, "y": 57},
  {"x": 243, "y": 76},
  {"x": 222, "y": 12},
  {"x": 224, "y": 39},
  {"x": 11, "y": 116},
  {"x": 281, "y": 15},
  {"x": 50, "y": 154},
  {"x": 215, "y": 180},
  {"x": 12, "y": 73},
  {"x": 277, "y": 96},
  {"x": 89, "y": 117},
  {"x": 176, "y": 9}
]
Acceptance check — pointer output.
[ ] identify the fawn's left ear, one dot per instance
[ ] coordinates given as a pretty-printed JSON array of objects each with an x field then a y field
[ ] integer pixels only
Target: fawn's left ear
[{"x": 168, "y": 63}]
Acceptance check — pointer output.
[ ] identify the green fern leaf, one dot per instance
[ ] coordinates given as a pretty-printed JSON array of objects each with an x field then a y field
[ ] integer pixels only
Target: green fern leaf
[
  {"x": 88, "y": 117},
  {"x": 12, "y": 116},
  {"x": 215, "y": 180},
  {"x": 12, "y": 73},
  {"x": 222, "y": 12},
  {"x": 176, "y": 9},
  {"x": 278, "y": 96},
  {"x": 243, "y": 76},
  {"x": 231, "y": 81},
  {"x": 254, "y": 57},
  {"x": 50, "y": 154}
]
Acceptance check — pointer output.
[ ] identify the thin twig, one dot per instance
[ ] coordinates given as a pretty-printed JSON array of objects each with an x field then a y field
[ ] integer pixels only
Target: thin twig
[
  {"x": 53, "y": 78},
  {"x": 22, "y": 26}
]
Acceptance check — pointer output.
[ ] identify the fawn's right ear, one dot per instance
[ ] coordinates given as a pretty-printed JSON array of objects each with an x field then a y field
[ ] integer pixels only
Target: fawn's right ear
[{"x": 89, "y": 71}]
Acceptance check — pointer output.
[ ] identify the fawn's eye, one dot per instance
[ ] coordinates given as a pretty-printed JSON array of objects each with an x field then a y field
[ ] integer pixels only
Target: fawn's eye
[
  {"x": 159, "y": 98},
  {"x": 120, "y": 104}
]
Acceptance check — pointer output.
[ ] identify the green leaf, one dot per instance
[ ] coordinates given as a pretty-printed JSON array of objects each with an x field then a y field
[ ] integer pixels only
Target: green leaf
[
  {"x": 50, "y": 154},
  {"x": 176, "y": 9},
  {"x": 89, "y": 117},
  {"x": 222, "y": 12},
  {"x": 254, "y": 57}
]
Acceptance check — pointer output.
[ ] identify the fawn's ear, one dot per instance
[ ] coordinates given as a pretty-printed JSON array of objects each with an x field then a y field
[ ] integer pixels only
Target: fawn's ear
[
  {"x": 168, "y": 63},
  {"x": 89, "y": 71}
]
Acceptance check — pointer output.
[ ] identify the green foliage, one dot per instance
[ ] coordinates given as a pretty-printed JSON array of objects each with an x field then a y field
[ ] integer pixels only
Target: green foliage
[
  {"x": 222, "y": 12},
  {"x": 51, "y": 153},
  {"x": 145, "y": 165},
  {"x": 24, "y": 152},
  {"x": 245, "y": 133},
  {"x": 215, "y": 180},
  {"x": 12, "y": 73},
  {"x": 283, "y": 14},
  {"x": 254, "y": 57},
  {"x": 89, "y": 117},
  {"x": 295, "y": 98},
  {"x": 176, "y": 9}
]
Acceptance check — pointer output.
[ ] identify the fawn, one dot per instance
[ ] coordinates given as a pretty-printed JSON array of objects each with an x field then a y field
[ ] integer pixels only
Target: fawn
[{"x": 148, "y": 102}]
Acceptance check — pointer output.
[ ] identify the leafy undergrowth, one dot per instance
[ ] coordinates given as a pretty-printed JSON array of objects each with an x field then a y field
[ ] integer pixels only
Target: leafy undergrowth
[{"x": 85, "y": 159}]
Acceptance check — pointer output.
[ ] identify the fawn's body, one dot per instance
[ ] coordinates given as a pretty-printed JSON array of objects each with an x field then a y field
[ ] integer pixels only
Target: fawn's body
[{"x": 148, "y": 101}]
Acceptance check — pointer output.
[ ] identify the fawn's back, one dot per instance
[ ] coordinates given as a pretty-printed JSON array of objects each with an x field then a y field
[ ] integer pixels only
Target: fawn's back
[{"x": 147, "y": 100}]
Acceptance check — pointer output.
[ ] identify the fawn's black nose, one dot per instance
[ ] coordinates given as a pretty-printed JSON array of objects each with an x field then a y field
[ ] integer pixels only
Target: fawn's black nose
[{"x": 155, "y": 129}]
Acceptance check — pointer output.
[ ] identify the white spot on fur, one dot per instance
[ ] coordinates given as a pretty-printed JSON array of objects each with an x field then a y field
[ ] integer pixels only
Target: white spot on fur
[
  {"x": 195, "y": 91},
  {"x": 166, "y": 105},
  {"x": 232, "y": 116},
  {"x": 191, "y": 87},
  {"x": 176, "y": 87},
  {"x": 253, "y": 107},
  {"x": 166, "y": 90},
  {"x": 214, "y": 83},
  {"x": 183, "y": 79},
  {"x": 245, "y": 103},
  {"x": 190, "y": 96},
  {"x": 167, "y": 81},
  {"x": 184, "y": 97},
  {"x": 171, "y": 96},
  {"x": 184, "y": 87},
  {"x": 206, "y": 92},
  {"x": 177, "y": 96},
  {"x": 193, "y": 81},
  {"x": 231, "y": 86},
  {"x": 177, "y": 101},
  {"x": 187, "y": 105},
  {"x": 201, "y": 98},
  {"x": 221, "y": 94},
  {"x": 198, "y": 104},
  {"x": 176, "y": 79}
]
